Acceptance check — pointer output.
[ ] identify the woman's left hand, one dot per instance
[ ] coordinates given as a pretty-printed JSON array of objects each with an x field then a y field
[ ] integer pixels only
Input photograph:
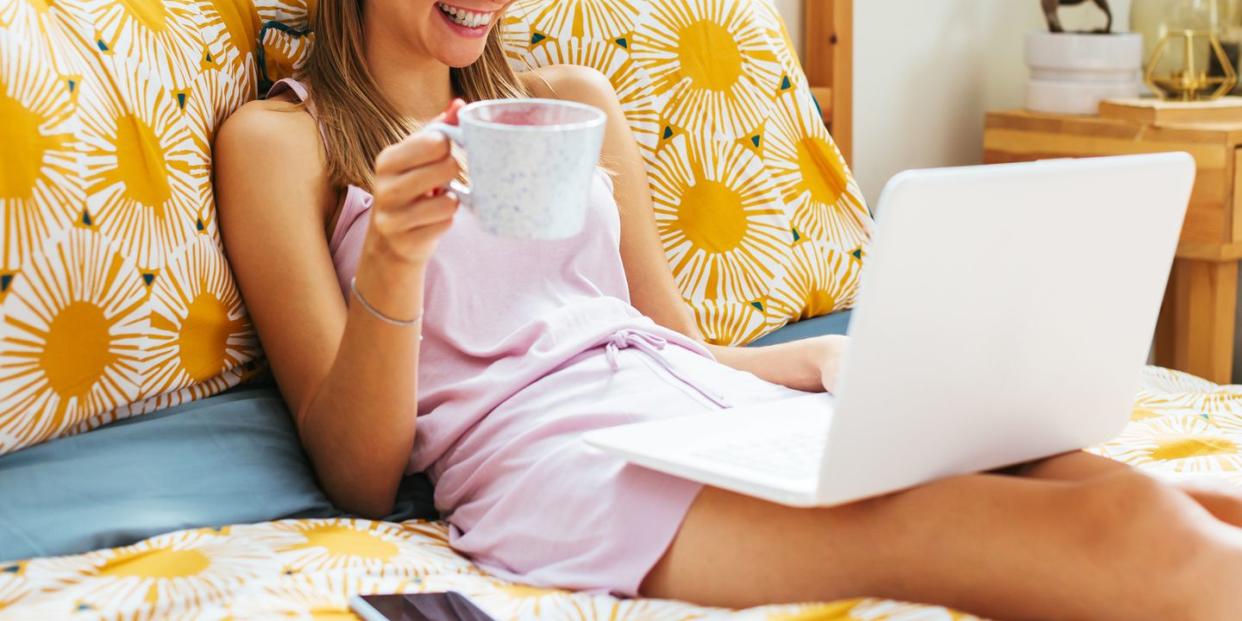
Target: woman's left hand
[
  {"x": 810, "y": 365},
  {"x": 831, "y": 359}
]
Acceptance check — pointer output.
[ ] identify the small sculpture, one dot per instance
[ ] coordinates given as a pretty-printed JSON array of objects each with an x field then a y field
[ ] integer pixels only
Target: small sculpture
[{"x": 1052, "y": 13}]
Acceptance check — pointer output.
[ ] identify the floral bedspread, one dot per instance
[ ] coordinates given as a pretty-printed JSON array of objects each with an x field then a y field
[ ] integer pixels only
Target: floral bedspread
[{"x": 307, "y": 569}]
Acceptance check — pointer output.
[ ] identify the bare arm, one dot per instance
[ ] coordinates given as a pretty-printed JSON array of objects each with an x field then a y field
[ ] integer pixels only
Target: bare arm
[
  {"x": 349, "y": 378},
  {"x": 805, "y": 365}
]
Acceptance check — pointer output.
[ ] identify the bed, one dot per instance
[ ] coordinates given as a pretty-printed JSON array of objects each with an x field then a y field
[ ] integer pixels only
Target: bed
[
  {"x": 209, "y": 509},
  {"x": 308, "y": 568}
]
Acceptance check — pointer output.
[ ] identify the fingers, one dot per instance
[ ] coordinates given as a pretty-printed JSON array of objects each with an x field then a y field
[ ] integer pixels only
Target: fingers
[
  {"x": 450, "y": 115},
  {"x": 424, "y": 213},
  {"x": 418, "y": 149},
  {"x": 395, "y": 191}
]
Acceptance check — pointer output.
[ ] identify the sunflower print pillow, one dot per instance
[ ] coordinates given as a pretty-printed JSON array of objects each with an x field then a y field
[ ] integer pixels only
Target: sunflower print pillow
[
  {"x": 761, "y": 219},
  {"x": 115, "y": 298}
]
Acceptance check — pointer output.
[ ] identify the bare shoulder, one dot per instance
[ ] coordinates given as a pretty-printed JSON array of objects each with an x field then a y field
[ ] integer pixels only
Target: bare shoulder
[
  {"x": 569, "y": 82},
  {"x": 267, "y": 126},
  {"x": 267, "y": 149}
]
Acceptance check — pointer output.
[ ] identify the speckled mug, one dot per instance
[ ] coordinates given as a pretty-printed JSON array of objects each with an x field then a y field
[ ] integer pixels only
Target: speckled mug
[{"x": 531, "y": 164}]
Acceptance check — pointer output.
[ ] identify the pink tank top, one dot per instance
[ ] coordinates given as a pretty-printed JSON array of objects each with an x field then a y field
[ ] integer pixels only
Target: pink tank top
[{"x": 502, "y": 313}]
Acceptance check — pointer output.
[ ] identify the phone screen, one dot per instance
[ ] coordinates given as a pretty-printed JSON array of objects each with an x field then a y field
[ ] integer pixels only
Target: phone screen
[{"x": 423, "y": 607}]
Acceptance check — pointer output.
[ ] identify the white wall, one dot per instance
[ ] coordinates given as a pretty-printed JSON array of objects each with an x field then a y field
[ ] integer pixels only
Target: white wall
[
  {"x": 927, "y": 70},
  {"x": 925, "y": 73},
  {"x": 792, "y": 10}
]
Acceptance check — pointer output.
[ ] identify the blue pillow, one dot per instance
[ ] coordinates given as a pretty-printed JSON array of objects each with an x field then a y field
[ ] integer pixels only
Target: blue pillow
[{"x": 230, "y": 459}]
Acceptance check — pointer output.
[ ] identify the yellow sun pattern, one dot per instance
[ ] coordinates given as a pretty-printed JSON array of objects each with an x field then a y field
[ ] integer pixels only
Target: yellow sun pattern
[
  {"x": 22, "y": 16},
  {"x": 231, "y": 34},
  {"x": 141, "y": 172},
  {"x": 722, "y": 224},
  {"x": 397, "y": 550},
  {"x": 14, "y": 584},
  {"x": 285, "y": 53},
  {"x": 712, "y": 63},
  {"x": 164, "y": 34},
  {"x": 1180, "y": 444},
  {"x": 295, "y": 14},
  {"x": 585, "y": 20},
  {"x": 38, "y": 191},
  {"x": 49, "y": 31},
  {"x": 188, "y": 568},
  {"x": 730, "y": 323},
  {"x": 820, "y": 192},
  {"x": 74, "y": 323},
  {"x": 107, "y": 112},
  {"x": 633, "y": 87},
  {"x": 702, "y": 82},
  {"x": 769, "y": 18},
  {"x": 207, "y": 105},
  {"x": 320, "y": 597},
  {"x": 198, "y": 326},
  {"x": 822, "y": 279}
]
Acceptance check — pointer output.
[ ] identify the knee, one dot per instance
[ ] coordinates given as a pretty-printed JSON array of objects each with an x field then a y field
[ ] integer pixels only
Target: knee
[{"x": 1133, "y": 518}]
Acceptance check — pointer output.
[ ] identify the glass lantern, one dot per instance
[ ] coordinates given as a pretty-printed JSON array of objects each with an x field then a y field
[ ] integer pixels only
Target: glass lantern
[
  {"x": 1187, "y": 46},
  {"x": 1231, "y": 33}
]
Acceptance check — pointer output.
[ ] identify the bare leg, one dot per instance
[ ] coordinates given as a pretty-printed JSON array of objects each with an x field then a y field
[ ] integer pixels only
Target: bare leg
[
  {"x": 1116, "y": 547},
  {"x": 1221, "y": 500}
]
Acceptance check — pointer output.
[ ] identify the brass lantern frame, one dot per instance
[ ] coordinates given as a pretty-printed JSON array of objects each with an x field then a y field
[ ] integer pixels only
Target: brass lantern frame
[{"x": 1188, "y": 82}]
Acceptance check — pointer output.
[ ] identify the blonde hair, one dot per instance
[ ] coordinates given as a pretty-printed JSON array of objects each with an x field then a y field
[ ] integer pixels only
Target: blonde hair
[{"x": 356, "y": 119}]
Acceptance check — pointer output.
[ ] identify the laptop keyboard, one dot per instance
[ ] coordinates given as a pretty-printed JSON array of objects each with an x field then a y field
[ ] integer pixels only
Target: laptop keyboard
[{"x": 785, "y": 455}]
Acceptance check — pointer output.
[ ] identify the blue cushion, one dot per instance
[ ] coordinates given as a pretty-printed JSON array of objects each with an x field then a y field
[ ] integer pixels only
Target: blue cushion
[
  {"x": 230, "y": 459},
  {"x": 836, "y": 323}
]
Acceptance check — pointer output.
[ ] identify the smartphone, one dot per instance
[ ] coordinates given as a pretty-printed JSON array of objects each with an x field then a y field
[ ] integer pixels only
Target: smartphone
[{"x": 416, "y": 607}]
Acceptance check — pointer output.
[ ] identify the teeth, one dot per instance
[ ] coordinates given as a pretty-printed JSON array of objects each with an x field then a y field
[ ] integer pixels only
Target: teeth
[{"x": 469, "y": 19}]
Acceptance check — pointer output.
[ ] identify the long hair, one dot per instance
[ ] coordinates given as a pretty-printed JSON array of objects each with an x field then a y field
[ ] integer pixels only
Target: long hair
[{"x": 356, "y": 119}]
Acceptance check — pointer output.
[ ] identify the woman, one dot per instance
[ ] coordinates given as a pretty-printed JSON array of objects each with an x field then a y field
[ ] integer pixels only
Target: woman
[{"x": 509, "y": 350}]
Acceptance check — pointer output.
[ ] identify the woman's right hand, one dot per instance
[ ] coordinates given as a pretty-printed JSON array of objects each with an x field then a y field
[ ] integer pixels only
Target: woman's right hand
[{"x": 410, "y": 211}]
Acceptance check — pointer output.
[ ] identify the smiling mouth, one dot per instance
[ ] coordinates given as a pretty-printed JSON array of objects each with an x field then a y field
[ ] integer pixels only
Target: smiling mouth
[{"x": 465, "y": 18}]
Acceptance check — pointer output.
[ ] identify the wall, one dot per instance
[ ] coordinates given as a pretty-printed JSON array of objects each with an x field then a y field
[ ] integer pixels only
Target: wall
[
  {"x": 926, "y": 72},
  {"x": 792, "y": 10}
]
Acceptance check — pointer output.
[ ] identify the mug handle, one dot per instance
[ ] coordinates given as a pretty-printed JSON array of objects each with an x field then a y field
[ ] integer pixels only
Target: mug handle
[{"x": 453, "y": 133}]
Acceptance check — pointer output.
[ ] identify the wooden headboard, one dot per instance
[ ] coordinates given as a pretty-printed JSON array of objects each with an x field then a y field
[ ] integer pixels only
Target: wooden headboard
[{"x": 829, "y": 65}]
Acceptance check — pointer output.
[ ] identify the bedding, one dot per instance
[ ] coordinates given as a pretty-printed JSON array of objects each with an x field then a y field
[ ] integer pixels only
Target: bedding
[
  {"x": 223, "y": 460},
  {"x": 115, "y": 296},
  {"x": 1182, "y": 427}
]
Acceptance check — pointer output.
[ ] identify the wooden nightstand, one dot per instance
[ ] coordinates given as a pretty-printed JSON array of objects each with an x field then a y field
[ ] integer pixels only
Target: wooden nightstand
[{"x": 1196, "y": 329}]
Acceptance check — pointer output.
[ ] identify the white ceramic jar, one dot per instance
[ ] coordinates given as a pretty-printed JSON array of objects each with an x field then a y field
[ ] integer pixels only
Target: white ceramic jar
[{"x": 1072, "y": 73}]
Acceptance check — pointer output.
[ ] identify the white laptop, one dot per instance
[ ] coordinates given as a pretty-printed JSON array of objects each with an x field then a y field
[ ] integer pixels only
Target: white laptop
[{"x": 1005, "y": 315}]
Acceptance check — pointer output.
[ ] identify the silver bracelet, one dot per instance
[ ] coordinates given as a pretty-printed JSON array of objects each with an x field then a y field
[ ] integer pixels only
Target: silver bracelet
[{"x": 353, "y": 288}]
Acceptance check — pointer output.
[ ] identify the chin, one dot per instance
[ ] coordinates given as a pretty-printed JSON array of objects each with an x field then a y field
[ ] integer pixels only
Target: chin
[{"x": 462, "y": 59}]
